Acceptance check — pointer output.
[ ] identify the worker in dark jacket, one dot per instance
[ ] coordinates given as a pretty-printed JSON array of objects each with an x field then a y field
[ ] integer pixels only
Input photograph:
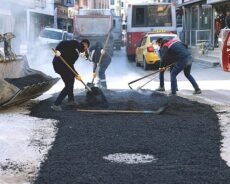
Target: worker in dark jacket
[
  {"x": 168, "y": 63},
  {"x": 69, "y": 50},
  {"x": 97, "y": 52},
  {"x": 176, "y": 52}
]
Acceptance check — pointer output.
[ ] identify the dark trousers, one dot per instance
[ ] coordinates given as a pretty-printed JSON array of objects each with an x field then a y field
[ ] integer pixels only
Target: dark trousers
[
  {"x": 68, "y": 79},
  {"x": 101, "y": 71},
  {"x": 185, "y": 65},
  {"x": 161, "y": 77}
]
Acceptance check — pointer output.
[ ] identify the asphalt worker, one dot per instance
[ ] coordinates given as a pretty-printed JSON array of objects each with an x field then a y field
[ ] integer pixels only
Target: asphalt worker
[
  {"x": 70, "y": 51},
  {"x": 168, "y": 63},
  {"x": 100, "y": 66},
  {"x": 177, "y": 52}
]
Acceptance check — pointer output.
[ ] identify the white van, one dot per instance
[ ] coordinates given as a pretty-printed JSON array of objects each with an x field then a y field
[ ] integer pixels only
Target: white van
[{"x": 52, "y": 36}]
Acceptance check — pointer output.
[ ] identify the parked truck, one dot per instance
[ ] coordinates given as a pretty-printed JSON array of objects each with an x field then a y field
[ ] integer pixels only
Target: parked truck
[
  {"x": 95, "y": 25},
  {"x": 117, "y": 32}
]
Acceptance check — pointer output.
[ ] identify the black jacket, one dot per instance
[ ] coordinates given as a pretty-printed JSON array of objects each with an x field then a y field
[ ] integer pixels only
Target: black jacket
[
  {"x": 70, "y": 50},
  {"x": 97, "y": 54},
  {"x": 172, "y": 51}
]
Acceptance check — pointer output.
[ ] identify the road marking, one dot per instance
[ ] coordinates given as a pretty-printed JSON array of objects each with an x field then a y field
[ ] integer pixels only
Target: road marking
[{"x": 135, "y": 158}]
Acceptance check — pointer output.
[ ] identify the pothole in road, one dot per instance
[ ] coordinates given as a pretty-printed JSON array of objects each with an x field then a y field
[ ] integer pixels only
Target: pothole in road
[{"x": 127, "y": 158}]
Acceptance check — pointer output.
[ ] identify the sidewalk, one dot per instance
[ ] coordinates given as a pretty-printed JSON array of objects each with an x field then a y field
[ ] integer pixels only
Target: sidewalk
[{"x": 212, "y": 58}]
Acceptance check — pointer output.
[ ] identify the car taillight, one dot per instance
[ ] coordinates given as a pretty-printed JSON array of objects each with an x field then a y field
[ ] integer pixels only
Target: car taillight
[{"x": 150, "y": 49}]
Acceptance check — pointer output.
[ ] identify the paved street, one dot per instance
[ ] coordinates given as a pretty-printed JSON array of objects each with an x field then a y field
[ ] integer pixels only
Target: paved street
[
  {"x": 185, "y": 140},
  {"x": 188, "y": 143}
]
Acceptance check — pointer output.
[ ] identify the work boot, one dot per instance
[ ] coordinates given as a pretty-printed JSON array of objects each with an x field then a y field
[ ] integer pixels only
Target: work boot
[
  {"x": 72, "y": 103},
  {"x": 56, "y": 108},
  {"x": 160, "y": 89},
  {"x": 197, "y": 91},
  {"x": 172, "y": 94}
]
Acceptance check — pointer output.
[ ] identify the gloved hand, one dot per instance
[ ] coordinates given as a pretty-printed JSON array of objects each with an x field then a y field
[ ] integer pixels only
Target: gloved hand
[
  {"x": 102, "y": 51},
  {"x": 162, "y": 69},
  {"x": 57, "y": 53},
  {"x": 78, "y": 77},
  {"x": 94, "y": 75}
]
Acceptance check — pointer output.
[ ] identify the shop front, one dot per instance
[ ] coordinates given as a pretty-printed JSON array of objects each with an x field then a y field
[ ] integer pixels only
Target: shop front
[
  {"x": 197, "y": 24},
  {"x": 220, "y": 9}
]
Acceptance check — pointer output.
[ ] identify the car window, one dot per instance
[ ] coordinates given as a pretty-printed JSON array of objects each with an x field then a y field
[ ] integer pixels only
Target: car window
[
  {"x": 65, "y": 36},
  {"x": 51, "y": 34},
  {"x": 143, "y": 41},
  {"x": 154, "y": 38}
]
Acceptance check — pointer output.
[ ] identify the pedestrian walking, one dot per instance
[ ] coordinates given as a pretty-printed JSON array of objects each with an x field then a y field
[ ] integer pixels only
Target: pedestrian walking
[
  {"x": 176, "y": 52},
  {"x": 97, "y": 52},
  {"x": 69, "y": 50}
]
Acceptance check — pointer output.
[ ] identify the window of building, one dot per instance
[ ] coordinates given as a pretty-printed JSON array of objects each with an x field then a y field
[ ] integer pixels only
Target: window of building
[
  {"x": 112, "y": 2},
  {"x": 194, "y": 17},
  {"x": 205, "y": 17}
]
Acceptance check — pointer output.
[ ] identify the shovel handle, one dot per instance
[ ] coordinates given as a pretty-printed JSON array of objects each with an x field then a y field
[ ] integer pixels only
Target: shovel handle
[
  {"x": 148, "y": 75},
  {"x": 72, "y": 70}
]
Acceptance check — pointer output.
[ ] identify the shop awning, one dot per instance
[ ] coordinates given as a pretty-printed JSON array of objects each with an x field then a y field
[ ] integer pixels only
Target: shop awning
[
  {"x": 216, "y": 1},
  {"x": 187, "y": 2}
]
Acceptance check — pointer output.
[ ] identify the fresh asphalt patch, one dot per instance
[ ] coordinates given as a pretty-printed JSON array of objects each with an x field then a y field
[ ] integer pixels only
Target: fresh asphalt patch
[{"x": 183, "y": 142}]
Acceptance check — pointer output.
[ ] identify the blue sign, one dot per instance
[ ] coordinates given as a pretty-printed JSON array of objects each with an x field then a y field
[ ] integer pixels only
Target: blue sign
[{"x": 69, "y": 3}]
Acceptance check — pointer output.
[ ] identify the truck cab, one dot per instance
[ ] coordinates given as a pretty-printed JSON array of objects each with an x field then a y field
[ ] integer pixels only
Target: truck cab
[{"x": 96, "y": 25}]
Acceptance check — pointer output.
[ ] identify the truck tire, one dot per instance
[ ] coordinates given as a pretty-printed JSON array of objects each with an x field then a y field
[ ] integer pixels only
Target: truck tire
[
  {"x": 137, "y": 63},
  {"x": 131, "y": 57}
]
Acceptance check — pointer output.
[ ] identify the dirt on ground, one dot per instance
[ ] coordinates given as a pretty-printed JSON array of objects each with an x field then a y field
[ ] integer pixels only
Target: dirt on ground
[{"x": 185, "y": 140}]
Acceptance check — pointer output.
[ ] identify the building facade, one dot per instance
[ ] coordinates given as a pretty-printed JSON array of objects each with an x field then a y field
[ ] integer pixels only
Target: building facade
[
  {"x": 202, "y": 20},
  {"x": 93, "y": 4},
  {"x": 22, "y": 24}
]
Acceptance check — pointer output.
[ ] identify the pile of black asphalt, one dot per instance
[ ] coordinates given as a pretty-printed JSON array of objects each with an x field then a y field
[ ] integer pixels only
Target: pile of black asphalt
[
  {"x": 28, "y": 80},
  {"x": 185, "y": 140}
]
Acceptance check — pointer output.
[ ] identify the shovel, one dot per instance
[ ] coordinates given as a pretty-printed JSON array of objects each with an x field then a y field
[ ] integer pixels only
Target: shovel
[
  {"x": 72, "y": 70},
  {"x": 100, "y": 59},
  {"x": 167, "y": 67},
  {"x": 94, "y": 95}
]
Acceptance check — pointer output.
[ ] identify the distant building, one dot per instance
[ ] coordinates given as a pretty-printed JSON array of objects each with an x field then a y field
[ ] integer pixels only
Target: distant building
[{"x": 93, "y": 4}]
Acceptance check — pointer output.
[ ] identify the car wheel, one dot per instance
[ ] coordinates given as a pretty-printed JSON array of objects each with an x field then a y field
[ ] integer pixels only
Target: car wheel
[
  {"x": 146, "y": 65},
  {"x": 137, "y": 63},
  {"x": 156, "y": 65},
  {"x": 131, "y": 57}
]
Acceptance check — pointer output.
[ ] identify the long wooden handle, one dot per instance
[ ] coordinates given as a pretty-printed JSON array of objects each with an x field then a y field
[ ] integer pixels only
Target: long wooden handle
[
  {"x": 104, "y": 47},
  {"x": 158, "y": 111},
  {"x": 148, "y": 75},
  {"x": 72, "y": 70}
]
